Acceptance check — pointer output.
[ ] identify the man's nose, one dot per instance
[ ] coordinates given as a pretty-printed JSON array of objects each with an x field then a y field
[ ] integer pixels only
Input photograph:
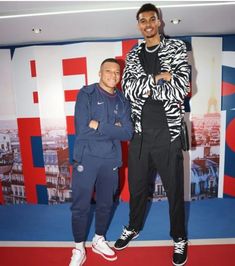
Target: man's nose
[
  {"x": 148, "y": 23},
  {"x": 113, "y": 74}
]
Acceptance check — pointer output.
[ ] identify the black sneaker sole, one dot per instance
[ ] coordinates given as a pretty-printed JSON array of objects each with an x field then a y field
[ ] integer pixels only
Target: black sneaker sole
[
  {"x": 126, "y": 244},
  {"x": 181, "y": 264}
]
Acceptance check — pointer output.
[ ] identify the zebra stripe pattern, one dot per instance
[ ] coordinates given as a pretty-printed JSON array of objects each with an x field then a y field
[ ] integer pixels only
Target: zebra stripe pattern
[{"x": 136, "y": 83}]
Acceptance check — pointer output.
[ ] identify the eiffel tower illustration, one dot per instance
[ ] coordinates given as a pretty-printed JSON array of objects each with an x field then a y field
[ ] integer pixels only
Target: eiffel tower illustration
[{"x": 212, "y": 101}]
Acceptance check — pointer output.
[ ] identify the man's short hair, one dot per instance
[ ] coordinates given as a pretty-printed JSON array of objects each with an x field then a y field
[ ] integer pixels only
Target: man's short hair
[
  {"x": 110, "y": 60},
  {"x": 146, "y": 8}
]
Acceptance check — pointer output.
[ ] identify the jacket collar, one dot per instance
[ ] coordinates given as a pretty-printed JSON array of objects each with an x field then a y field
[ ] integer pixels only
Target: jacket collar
[
  {"x": 89, "y": 89},
  {"x": 142, "y": 44}
]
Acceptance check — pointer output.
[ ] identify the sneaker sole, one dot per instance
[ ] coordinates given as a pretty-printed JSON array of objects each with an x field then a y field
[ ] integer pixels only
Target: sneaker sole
[
  {"x": 83, "y": 261},
  {"x": 103, "y": 255},
  {"x": 182, "y": 264},
  {"x": 127, "y": 243}
]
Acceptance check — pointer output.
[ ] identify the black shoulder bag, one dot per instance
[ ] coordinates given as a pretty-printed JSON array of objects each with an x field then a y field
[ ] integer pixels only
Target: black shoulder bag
[
  {"x": 184, "y": 135},
  {"x": 184, "y": 132}
]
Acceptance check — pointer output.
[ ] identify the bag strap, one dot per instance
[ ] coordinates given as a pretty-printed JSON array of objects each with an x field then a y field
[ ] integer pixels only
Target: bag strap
[{"x": 182, "y": 111}]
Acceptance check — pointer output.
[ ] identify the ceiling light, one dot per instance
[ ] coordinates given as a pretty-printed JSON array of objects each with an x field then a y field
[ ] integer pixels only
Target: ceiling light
[
  {"x": 37, "y": 30},
  {"x": 175, "y": 21},
  {"x": 47, "y": 13}
]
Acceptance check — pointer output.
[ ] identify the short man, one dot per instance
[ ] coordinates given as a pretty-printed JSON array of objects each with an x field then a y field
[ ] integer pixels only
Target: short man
[
  {"x": 102, "y": 120},
  {"x": 156, "y": 81}
]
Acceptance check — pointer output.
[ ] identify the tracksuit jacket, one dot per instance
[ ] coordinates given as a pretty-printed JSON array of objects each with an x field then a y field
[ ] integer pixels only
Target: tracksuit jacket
[{"x": 105, "y": 141}]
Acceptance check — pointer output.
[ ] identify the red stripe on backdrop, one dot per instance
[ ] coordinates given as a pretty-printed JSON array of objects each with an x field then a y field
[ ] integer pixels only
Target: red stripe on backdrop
[
  {"x": 33, "y": 68},
  {"x": 70, "y": 125},
  {"x": 230, "y": 140},
  {"x": 28, "y": 127},
  {"x": 124, "y": 189},
  {"x": 229, "y": 185},
  {"x": 70, "y": 95},
  {"x": 126, "y": 47},
  {"x": 35, "y": 97},
  {"x": 205, "y": 255},
  {"x": 75, "y": 66},
  {"x": 227, "y": 88},
  {"x": 1, "y": 194},
  {"x": 124, "y": 194}
]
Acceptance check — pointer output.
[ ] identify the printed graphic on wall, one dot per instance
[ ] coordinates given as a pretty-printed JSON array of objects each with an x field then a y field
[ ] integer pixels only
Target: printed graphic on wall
[
  {"x": 56, "y": 161},
  {"x": 205, "y": 156},
  {"x": 37, "y": 140},
  {"x": 11, "y": 175},
  {"x": 45, "y": 81},
  {"x": 228, "y": 104},
  {"x": 205, "y": 117}
]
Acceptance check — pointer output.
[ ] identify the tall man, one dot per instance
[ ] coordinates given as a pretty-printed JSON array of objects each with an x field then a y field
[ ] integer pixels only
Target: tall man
[
  {"x": 156, "y": 81},
  {"x": 102, "y": 120}
]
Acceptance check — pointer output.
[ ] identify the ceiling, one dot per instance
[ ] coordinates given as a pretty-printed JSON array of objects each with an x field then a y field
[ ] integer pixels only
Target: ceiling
[{"x": 69, "y": 21}]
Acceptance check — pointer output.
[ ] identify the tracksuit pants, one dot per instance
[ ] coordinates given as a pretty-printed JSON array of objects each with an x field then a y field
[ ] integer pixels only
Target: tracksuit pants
[
  {"x": 153, "y": 150},
  {"x": 98, "y": 173}
]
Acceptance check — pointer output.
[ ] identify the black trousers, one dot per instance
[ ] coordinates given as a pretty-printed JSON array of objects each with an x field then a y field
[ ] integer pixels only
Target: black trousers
[{"x": 153, "y": 150}]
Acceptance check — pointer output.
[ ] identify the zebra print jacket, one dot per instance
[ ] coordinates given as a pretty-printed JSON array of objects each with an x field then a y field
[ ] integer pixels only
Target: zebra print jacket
[{"x": 136, "y": 83}]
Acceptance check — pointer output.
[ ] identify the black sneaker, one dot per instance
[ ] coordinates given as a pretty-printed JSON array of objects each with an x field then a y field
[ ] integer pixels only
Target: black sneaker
[
  {"x": 180, "y": 251},
  {"x": 126, "y": 236}
]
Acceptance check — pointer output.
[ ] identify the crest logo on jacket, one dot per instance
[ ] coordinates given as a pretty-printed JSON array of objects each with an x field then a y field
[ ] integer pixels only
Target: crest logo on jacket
[{"x": 116, "y": 109}]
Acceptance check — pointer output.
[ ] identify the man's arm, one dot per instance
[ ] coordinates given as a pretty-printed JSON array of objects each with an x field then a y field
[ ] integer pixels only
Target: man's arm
[
  {"x": 85, "y": 127},
  {"x": 122, "y": 129},
  {"x": 135, "y": 83},
  {"x": 175, "y": 85}
]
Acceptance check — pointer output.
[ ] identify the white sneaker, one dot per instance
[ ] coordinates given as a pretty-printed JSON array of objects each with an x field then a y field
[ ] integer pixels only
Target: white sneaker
[
  {"x": 101, "y": 247},
  {"x": 78, "y": 257}
]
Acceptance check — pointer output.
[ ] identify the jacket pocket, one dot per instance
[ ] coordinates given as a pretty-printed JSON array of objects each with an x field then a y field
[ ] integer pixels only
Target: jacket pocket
[{"x": 78, "y": 150}]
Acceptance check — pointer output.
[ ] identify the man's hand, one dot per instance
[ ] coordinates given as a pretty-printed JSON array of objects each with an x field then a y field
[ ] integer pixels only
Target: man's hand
[
  {"x": 93, "y": 124},
  {"x": 118, "y": 124},
  {"x": 166, "y": 76},
  {"x": 147, "y": 94}
]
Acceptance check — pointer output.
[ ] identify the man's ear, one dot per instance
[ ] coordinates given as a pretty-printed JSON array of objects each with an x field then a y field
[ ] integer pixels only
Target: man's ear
[{"x": 159, "y": 23}]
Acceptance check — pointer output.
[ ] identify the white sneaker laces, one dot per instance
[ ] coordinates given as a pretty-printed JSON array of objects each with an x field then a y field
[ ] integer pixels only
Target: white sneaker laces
[
  {"x": 179, "y": 246},
  {"x": 103, "y": 241},
  {"x": 102, "y": 245},
  {"x": 125, "y": 234},
  {"x": 77, "y": 256}
]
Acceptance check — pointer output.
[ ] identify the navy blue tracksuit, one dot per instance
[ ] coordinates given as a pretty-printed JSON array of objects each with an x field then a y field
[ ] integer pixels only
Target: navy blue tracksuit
[{"x": 97, "y": 155}]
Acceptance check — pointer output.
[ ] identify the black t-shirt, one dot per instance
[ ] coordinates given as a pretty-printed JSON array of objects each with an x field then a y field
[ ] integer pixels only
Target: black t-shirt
[{"x": 153, "y": 115}]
